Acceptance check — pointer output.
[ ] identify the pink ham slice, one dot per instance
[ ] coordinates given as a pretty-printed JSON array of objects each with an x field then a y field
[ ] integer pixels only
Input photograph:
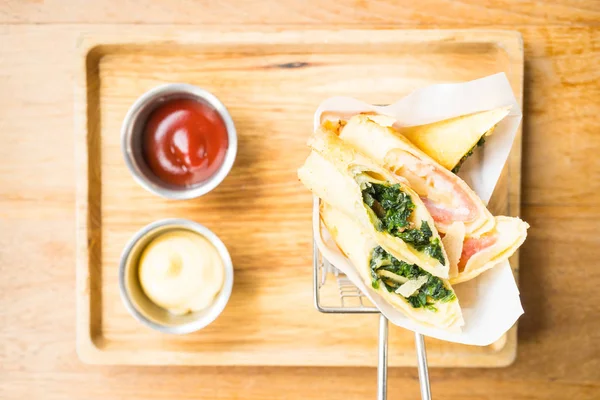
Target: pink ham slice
[
  {"x": 443, "y": 215},
  {"x": 422, "y": 174},
  {"x": 462, "y": 208},
  {"x": 472, "y": 246}
]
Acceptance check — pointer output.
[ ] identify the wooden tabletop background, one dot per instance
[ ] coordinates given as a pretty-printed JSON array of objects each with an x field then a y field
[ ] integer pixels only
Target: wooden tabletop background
[{"x": 559, "y": 336}]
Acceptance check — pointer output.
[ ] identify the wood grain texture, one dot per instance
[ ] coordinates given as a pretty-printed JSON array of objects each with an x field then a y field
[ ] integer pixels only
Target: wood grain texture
[
  {"x": 271, "y": 84},
  {"x": 307, "y": 13},
  {"x": 559, "y": 343}
]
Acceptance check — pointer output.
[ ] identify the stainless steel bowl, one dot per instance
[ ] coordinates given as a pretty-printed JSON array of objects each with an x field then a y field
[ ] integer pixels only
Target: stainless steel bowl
[
  {"x": 142, "y": 308},
  {"x": 131, "y": 140}
]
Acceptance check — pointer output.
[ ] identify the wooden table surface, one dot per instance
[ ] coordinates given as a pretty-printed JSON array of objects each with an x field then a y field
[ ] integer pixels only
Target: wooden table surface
[{"x": 559, "y": 335}]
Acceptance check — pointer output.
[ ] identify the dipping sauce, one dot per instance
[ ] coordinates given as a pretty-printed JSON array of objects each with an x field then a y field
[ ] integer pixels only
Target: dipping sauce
[
  {"x": 184, "y": 142},
  {"x": 181, "y": 271}
]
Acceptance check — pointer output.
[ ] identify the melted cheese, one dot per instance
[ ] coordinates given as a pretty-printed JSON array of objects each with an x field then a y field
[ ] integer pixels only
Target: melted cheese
[{"x": 409, "y": 288}]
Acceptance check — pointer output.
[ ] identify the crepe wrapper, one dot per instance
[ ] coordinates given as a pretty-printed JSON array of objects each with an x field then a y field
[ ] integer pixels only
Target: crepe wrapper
[{"x": 490, "y": 302}]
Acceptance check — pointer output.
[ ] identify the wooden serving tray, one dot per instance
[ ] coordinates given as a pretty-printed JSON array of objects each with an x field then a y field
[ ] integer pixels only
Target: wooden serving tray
[{"x": 272, "y": 82}]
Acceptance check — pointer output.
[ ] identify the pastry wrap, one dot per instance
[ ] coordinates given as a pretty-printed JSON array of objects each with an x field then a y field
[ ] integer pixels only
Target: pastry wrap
[
  {"x": 447, "y": 197},
  {"x": 470, "y": 256},
  {"x": 451, "y": 141},
  {"x": 376, "y": 268},
  {"x": 382, "y": 204}
]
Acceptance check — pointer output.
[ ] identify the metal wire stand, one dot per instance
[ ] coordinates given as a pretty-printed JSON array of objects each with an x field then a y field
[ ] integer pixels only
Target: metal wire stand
[{"x": 353, "y": 301}]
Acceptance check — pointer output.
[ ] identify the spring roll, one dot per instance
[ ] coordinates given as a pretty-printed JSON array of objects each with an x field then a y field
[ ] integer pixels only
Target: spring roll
[
  {"x": 447, "y": 197},
  {"x": 383, "y": 204},
  {"x": 413, "y": 291}
]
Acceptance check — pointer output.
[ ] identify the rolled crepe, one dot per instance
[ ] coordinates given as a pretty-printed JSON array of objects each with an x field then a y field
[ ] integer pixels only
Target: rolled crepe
[
  {"x": 470, "y": 256},
  {"x": 451, "y": 141},
  {"x": 447, "y": 197},
  {"x": 403, "y": 286},
  {"x": 382, "y": 203}
]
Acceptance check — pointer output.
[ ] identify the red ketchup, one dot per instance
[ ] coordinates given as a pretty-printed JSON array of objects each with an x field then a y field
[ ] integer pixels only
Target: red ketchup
[{"x": 184, "y": 142}]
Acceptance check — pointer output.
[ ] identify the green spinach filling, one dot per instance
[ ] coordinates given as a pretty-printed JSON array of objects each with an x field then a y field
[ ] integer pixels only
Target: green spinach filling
[
  {"x": 430, "y": 293},
  {"x": 469, "y": 153},
  {"x": 393, "y": 208}
]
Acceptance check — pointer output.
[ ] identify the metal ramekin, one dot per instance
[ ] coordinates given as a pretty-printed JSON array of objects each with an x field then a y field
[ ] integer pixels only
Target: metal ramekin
[
  {"x": 131, "y": 140},
  {"x": 142, "y": 308}
]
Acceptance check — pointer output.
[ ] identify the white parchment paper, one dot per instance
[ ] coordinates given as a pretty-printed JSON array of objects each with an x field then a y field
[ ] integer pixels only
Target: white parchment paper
[{"x": 490, "y": 302}]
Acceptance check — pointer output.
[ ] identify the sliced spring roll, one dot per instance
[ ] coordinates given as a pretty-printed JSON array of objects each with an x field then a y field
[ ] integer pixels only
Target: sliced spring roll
[
  {"x": 413, "y": 291},
  {"x": 447, "y": 197},
  {"x": 452, "y": 141},
  {"x": 383, "y": 204},
  {"x": 470, "y": 256}
]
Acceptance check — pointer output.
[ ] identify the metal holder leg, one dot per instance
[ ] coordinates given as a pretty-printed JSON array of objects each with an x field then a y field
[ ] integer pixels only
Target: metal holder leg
[
  {"x": 382, "y": 363},
  {"x": 348, "y": 291},
  {"x": 422, "y": 365}
]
